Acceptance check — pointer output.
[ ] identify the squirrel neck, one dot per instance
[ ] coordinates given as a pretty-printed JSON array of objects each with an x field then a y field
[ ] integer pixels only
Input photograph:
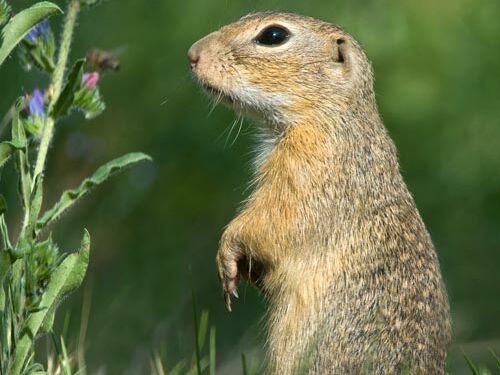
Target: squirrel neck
[{"x": 345, "y": 150}]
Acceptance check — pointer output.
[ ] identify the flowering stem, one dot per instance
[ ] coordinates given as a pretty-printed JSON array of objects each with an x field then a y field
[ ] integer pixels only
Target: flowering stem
[
  {"x": 57, "y": 83},
  {"x": 26, "y": 339}
]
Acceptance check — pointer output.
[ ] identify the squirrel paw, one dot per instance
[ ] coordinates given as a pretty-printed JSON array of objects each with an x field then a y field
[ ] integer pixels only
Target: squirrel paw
[{"x": 227, "y": 265}]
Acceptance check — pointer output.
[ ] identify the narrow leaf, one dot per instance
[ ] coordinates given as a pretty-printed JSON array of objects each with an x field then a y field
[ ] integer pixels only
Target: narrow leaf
[
  {"x": 4, "y": 232},
  {"x": 5, "y": 263},
  {"x": 177, "y": 368},
  {"x": 35, "y": 204},
  {"x": 18, "y": 134},
  {"x": 66, "y": 277},
  {"x": 244, "y": 364},
  {"x": 19, "y": 138},
  {"x": 90, "y": 102},
  {"x": 196, "y": 336},
  {"x": 212, "y": 351},
  {"x": 22, "y": 23},
  {"x": 497, "y": 360},
  {"x": 69, "y": 197},
  {"x": 64, "y": 360},
  {"x": 5, "y": 12},
  {"x": 23, "y": 246},
  {"x": 471, "y": 365},
  {"x": 202, "y": 331},
  {"x": 75, "y": 278},
  {"x": 67, "y": 96},
  {"x": 6, "y": 150},
  {"x": 3, "y": 205}
]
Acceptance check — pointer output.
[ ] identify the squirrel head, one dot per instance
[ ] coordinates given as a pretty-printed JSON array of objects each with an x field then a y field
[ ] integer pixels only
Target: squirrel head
[{"x": 283, "y": 67}]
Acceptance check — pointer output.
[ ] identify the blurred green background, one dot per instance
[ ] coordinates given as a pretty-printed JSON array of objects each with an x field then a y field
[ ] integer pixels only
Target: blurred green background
[{"x": 156, "y": 227}]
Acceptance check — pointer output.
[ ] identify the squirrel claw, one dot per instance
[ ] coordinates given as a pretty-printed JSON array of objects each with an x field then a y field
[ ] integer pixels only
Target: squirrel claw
[
  {"x": 227, "y": 297},
  {"x": 228, "y": 256},
  {"x": 229, "y": 287},
  {"x": 228, "y": 273}
]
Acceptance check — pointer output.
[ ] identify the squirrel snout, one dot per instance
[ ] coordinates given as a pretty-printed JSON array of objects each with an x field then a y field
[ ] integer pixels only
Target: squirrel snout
[
  {"x": 193, "y": 55},
  {"x": 199, "y": 48}
]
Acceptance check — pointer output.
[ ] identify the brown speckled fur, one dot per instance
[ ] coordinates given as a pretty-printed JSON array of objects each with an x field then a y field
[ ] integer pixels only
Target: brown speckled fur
[{"x": 330, "y": 234}]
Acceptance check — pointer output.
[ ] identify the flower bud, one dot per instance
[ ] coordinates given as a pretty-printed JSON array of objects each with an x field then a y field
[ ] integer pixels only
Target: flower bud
[
  {"x": 40, "y": 30},
  {"x": 36, "y": 104},
  {"x": 90, "y": 80}
]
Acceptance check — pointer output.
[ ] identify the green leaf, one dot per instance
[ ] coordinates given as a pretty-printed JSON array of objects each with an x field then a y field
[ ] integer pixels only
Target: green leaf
[
  {"x": 67, "y": 96},
  {"x": 69, "y": 197},
  {"x": 22, "y": 247},
  {"x": 473, "y": 369},
  {"x": 4, "y": 12},
  {"x": 244, "y": 364},
  {"x": 66, "y": 277},
  {"x": 35, "y": 205},
  {"x": 19, "y": 138},
  {"x": 64, "y": 360},
  {"x": 202, "y": 330},
  {"x": 18, "y": 134},
  {"x": 497, "y": 360},
  {"x": 3, "y": 204},
  {"x": 34, "y": 125},
  {"x": 22, "y": 23},
  {"x": 48, "y": 322},
  {"x": 5, "y": 233},
  {"x": 212, "y": 350},
  {"x": 79, "y": 267},
  {"x": 19, "y": 141},
  {"x": 90, "y": 102},
  {"x": 7, "y": 149},
  {"x": 196, "y": 337},
  {"x": 39, "y": 54},
  {"x": 5, "y": 263}
]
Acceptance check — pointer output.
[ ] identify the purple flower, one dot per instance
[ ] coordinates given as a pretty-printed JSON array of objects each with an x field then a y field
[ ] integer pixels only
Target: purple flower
[
  {"x": 36, "y": 105},
  {"x": 90, "y": 80},
  {"x": 39, "y": 30}
]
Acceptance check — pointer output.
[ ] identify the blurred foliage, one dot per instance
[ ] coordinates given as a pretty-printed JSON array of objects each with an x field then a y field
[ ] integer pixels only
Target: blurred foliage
[{"x": 437, "y": 67}]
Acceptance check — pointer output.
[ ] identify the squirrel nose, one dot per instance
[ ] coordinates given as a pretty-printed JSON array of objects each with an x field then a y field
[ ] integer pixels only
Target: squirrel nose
[
  {"x": 194, "y": 55},
  {"x": 201, "y": 47}
]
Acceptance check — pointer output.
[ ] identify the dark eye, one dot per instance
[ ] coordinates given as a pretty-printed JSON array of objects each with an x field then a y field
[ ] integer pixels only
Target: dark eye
[{"x": 273, "y": 36}]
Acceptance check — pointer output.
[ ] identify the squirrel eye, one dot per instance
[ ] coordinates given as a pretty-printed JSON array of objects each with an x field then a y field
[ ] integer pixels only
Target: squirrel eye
[{"x": 273, "y": 36}]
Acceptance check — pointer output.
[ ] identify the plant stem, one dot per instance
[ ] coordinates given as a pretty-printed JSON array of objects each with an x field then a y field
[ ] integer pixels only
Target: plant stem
[
  {"x": 57, "y": 82},
  {"x": 25, "y": 342}
]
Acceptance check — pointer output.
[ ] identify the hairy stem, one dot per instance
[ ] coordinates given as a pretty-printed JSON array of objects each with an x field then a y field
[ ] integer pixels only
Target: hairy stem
[
  {"x": 57, "y": 83},
  {"x": 26, "y": 340}
]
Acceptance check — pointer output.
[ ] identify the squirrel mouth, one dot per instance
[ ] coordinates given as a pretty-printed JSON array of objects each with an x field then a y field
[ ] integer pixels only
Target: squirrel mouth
[{"x": 217, "y": 93}]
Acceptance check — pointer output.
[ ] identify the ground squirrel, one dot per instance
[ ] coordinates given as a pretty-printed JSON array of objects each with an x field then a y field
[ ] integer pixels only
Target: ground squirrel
[{"x": 330, "y": 234}]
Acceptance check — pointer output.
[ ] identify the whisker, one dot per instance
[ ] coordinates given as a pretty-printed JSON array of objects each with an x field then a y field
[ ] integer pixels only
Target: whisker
[
  {"x": 230, "y": 132},
  {"x": 226, "y": 129},
  {"x": 240, "y": 120},
  {"x": 216, "y": 102}
]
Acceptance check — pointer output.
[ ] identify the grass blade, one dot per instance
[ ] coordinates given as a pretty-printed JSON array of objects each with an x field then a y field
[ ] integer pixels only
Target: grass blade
[
  {"x": 244, "y": 364},
  {"x": 471, "y": 365},
  {"x": 196, "y": 337},
  {"x": 212, "y": 350}
]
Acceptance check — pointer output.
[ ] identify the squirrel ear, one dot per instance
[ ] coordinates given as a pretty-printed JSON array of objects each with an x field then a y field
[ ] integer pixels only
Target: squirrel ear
[{"x": 339, "y": 50}]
